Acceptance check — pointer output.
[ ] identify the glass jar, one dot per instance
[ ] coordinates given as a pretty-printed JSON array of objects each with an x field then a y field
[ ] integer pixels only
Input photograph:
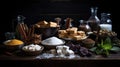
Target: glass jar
[
  {"x": 106, "y": 22},
  {"x": 19, "y": 24},
  {"x": 84, "y": 26},
  {"x": 93, "y": 20}
]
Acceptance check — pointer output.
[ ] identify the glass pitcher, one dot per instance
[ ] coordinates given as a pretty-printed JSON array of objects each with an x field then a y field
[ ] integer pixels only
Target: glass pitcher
[{"x": 93, "y": 20}]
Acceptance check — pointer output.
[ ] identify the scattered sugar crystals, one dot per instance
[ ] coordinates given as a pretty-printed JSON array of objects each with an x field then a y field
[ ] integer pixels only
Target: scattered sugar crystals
[
  {"x": 49, "y": 55},
  {"x": 52, "y": 41},
  {"x": 61, "y": 52}
]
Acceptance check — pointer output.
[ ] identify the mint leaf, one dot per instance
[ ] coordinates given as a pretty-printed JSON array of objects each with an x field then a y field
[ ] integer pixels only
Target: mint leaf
[
  {"x": 107, "y": 41},
  {"x": 116, "y": 49},
  {"x": 93, "y": 49},
  {"x": 107, "y": 45}
]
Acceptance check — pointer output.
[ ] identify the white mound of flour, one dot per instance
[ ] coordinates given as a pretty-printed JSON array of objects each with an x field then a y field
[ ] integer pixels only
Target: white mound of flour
[{"x": 52, "y": 41}]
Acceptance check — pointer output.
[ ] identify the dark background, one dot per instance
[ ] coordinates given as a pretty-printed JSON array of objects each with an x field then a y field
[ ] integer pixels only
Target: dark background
[{"x": 36, "y": 10}]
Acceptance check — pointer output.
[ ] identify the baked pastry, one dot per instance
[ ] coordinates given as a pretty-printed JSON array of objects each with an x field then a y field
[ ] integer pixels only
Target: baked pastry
[
  {"x": 41, "y": 24},
  {"x": 82, "y": 33},
  {"x": 52, "y": 24},
  {"x": 61, "y": 36},
  {"x": 45, "y": 24},
  {"x": 77, "y": 37},
  {"x": 62, "y": 32},
  {"x": 72, "y": 33},
  {"x": 72, "y": 30}
]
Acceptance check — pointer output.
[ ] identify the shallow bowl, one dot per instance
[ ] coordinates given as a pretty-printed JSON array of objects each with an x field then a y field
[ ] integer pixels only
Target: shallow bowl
[
  {"x": 51, "y": 46},
  {"x": 32, "y": 53}
]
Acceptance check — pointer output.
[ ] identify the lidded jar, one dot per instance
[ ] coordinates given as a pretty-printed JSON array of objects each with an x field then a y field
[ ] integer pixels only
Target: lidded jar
[
  {"x": 106, "y": 22},
  {"x": 93, "y": 20}
]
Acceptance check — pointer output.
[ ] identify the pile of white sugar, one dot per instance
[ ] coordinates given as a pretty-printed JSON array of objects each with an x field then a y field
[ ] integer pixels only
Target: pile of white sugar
[{"x": 52, "y": 41}]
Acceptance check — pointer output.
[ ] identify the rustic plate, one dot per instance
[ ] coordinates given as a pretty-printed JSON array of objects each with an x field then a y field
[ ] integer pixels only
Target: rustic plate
[{"x": 74, "y": 39}]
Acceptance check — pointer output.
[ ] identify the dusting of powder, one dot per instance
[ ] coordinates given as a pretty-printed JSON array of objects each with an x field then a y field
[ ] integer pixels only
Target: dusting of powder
[{"x": 52, "y": 41}]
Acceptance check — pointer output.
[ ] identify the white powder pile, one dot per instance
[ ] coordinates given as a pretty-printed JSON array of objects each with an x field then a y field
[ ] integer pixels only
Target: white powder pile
[{"x": 52, "y": 41}]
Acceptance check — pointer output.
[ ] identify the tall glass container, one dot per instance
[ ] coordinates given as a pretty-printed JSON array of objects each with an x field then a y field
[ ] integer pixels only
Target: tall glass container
[
  {"x": 20, "y": 22},
  {"x": 93, "y": 20}
]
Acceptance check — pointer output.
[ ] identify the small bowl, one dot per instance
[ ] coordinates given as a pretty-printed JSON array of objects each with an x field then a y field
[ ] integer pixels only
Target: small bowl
[
  {"x": 32, "y": 53},
  {"x": 88, "y": 43},
  {"x": 12, "y": 47}
]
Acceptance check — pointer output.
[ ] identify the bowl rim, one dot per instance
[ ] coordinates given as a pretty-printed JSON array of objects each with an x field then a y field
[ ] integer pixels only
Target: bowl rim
[
  {"x": 52, "y": 44},
  {"x": 42, "y": 48}
]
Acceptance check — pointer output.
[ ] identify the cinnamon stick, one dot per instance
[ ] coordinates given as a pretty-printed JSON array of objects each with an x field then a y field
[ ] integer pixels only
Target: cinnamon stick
[{"x": 23, "y": 32}]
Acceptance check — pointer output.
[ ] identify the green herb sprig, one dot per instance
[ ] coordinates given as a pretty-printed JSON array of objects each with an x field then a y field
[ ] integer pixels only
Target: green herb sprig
[{"x": 105, "y": 47}]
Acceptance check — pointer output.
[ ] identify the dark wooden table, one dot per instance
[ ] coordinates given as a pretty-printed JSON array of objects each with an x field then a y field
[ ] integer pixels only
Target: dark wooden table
[{"x": 11, "y": 59}]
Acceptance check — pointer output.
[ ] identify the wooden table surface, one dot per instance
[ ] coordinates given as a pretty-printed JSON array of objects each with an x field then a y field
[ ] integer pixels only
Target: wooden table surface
[{"x": 16, "y": 60}]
